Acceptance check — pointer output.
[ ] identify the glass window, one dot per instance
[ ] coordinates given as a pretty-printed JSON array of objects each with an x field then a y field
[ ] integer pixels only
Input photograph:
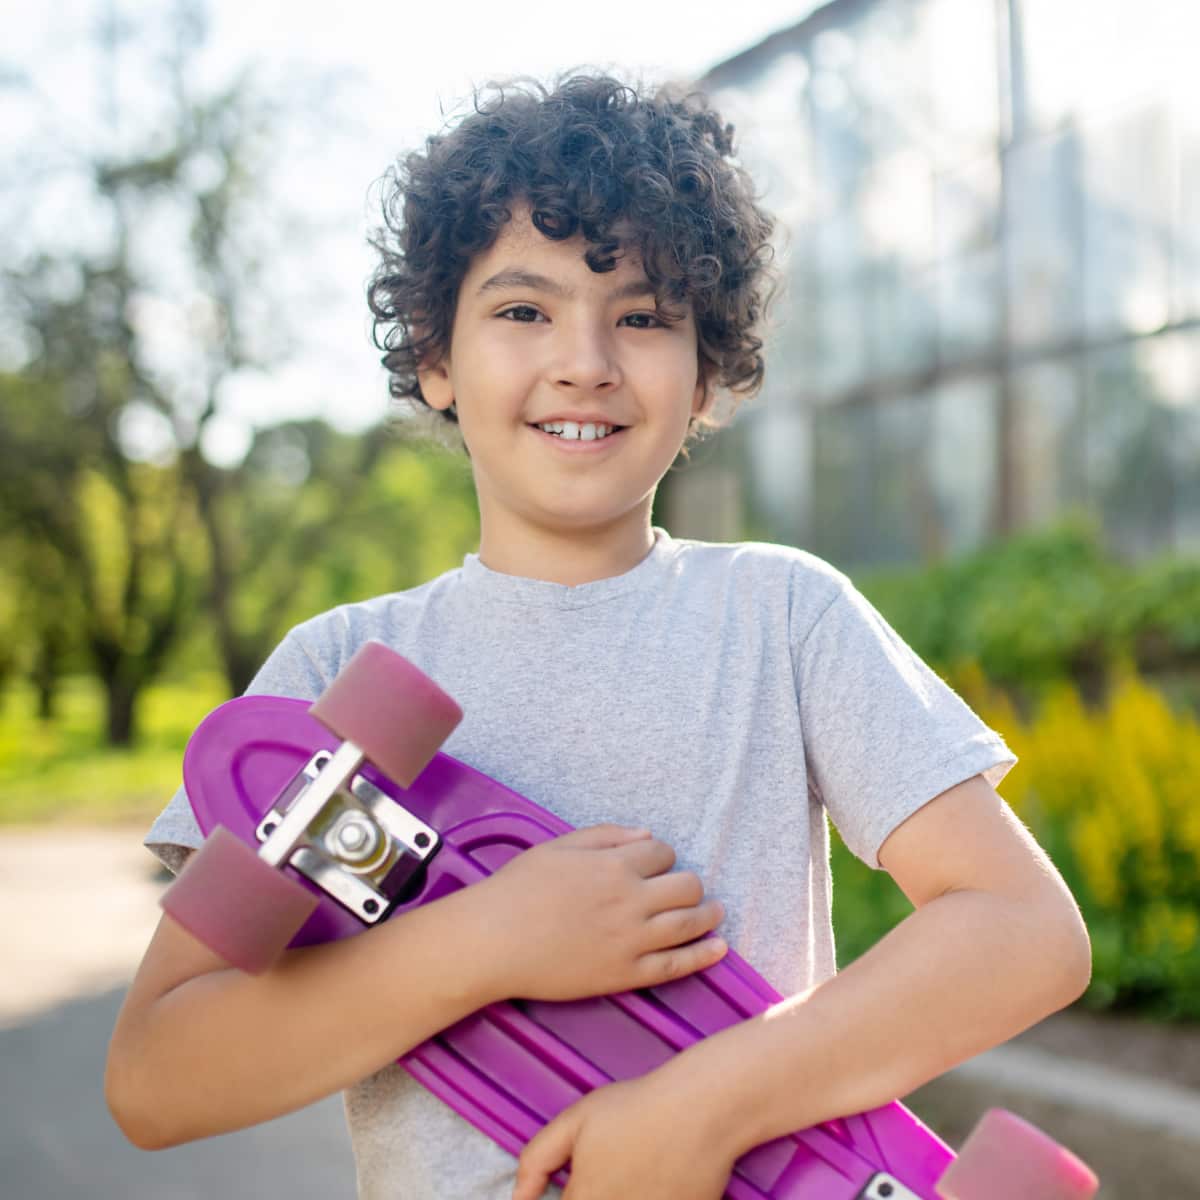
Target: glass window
[
  {"x": 1128, "y": 189},
  {"x": 1171, "y": 365},
  {"x": 960, "y": 39},
  {"x": 901, "y": 309},
  {"x": 1078, "y": 56},
  {"x": 843, "y": 496},
  {"x": 963, "y": 461},
  {"x": 780, "y": 452},
  {"x": 968, "y": 279},
  {"x": 905, "y": 524},
  {"x": 839, "y": 317},
  {"x": 968, "y": 305},
  {"x": 966, "y": 202},
  {"x": 1128, "y": 457},
  {"x": 1186, "y": 247},
  {"x": 1047, "y": 461},
  {"x": 1043, "y": 240}
]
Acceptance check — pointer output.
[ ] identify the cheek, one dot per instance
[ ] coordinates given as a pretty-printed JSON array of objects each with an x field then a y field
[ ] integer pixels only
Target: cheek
[{"x": 494, "y": 366}]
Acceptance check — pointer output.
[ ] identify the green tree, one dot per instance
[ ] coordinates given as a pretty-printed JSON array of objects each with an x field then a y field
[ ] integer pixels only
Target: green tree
[
  {"x": 101, "y": 540},
  {"x": 108, "y": 431}
]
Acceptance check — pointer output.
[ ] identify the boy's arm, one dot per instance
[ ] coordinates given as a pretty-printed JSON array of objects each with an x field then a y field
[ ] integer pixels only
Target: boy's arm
[
  {"x": 996, "y": 943},
  {"x": 200, "y": 1049}
]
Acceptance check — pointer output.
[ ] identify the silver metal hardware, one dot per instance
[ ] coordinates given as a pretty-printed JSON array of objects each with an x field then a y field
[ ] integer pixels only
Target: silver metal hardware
[
  {"x": 355, "y": 839},
  {"x": 351, "y": 839},
  {"x": 883, "y": 1186}
]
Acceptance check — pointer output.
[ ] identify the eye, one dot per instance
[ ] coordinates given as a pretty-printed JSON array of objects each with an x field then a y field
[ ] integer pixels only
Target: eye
[
  {"x": 526, "y": 314},
  {"x": 643, "y": 320}
]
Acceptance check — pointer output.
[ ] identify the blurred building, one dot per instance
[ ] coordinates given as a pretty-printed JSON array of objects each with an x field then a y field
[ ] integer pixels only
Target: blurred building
[{"x": 990, "y": 236}]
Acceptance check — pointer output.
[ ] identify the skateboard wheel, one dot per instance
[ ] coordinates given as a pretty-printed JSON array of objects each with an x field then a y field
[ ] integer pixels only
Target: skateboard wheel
[
  {"x": 390, "y": 709},
  {"x": 1005, "y": 1157},
  {"x": 239, "y": 906}
]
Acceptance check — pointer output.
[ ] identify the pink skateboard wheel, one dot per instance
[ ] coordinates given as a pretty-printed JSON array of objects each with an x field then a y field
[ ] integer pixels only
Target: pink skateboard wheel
[
  {"x": 1006, "y": 1158},
  {"x": 239, "y": 906},
  {"x": 390, "y": 709}
]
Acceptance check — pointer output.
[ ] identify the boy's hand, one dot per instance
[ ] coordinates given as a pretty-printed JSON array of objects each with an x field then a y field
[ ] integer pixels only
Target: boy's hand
[
  {"x": 595, "y": 911},
  {"x": 627, "y": 1139}
]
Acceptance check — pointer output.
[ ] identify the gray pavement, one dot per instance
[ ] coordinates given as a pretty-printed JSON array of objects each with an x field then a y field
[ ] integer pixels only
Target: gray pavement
[{"x": 79, "y": 908}]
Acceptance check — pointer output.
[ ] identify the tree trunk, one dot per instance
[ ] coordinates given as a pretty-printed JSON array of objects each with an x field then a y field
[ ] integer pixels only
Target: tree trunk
[
  {"x": 122, "y": 705},
  {"x": 45, "y": 676}
]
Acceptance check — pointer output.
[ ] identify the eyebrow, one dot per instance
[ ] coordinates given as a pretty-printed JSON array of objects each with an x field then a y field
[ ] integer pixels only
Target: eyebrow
[{"x": 517, "y": 277}]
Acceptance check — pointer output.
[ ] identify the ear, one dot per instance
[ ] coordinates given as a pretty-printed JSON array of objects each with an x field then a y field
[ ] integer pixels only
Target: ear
[{"x": 436, "y": 385}]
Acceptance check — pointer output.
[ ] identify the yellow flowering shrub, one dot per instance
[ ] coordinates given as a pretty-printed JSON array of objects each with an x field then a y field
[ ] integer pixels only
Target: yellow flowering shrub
[{"x": 1113, "y": 794}]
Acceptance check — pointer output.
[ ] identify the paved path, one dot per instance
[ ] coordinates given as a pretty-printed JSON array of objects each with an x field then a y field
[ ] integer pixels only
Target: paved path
[{"x": 79, "y": 908}]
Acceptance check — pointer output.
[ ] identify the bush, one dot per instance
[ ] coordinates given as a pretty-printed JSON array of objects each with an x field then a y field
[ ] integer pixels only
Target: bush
[
  {"x": 1046, "y": 606},
  {"x": 1111, "y": 794}
]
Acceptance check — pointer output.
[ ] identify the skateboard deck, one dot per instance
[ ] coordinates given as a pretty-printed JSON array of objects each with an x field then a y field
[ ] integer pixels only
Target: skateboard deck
[{"x": 511, "y": 1067}]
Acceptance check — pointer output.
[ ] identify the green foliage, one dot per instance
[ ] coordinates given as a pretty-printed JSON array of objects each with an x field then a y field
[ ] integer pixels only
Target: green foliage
[
  {"x": 1159, "y": 616},
  {"x": 1107, "y": 774},
  {"x": 1109, "y": 792},
  {"x": 1045, "y": 606},
  {"x": 62, "y": 770},
  {"x": 413, "y": 518}
]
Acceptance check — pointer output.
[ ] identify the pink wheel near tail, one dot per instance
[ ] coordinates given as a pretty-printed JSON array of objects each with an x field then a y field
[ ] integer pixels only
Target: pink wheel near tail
[
  {"x": 390, "y": 709},
  {"x": 1006, "y": 1158},
  {"x": 239, "y": 906}
]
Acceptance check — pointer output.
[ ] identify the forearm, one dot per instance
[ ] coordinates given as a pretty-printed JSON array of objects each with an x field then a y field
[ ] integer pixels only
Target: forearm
[
  {"x": 960, "y": 975},
  {"x": 224, "y": 1050}
]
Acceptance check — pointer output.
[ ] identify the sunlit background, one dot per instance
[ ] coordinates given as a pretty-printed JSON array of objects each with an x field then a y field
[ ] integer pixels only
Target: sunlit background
[{"x": 982, "y": 400}]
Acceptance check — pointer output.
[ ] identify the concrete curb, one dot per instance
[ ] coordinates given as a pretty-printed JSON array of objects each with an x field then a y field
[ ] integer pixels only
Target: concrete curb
[
  {"x": 1121, "y": 1095},
  {"x": 1140, "y": 1135}
]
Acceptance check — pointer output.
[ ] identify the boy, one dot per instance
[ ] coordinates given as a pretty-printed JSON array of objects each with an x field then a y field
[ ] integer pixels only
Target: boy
[{"x": 571, "y": 277}]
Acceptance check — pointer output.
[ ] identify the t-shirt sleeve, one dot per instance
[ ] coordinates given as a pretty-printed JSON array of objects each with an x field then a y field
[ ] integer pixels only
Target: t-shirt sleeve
[
  {"x": 289, "y": 671},
  {"x": 883, "y": 734}
]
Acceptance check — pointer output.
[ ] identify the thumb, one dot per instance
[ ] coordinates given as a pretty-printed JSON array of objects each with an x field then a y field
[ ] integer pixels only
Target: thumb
[{"x": 548, "y": 1150}]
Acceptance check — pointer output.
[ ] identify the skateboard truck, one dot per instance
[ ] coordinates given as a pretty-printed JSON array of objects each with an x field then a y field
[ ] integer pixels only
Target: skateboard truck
[{"x": 345, "y": 835}]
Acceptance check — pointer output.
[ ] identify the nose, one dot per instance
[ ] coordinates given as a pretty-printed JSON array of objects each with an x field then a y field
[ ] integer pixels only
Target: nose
[{"x": 585, "y": 357}]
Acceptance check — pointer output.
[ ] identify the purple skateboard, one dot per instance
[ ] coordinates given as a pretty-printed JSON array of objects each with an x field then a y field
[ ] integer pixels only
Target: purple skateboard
[{"x": 312, "y": 842}]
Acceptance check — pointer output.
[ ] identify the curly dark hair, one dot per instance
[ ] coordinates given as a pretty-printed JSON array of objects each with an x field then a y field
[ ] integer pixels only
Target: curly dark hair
[{"x": 652, "y": 171}]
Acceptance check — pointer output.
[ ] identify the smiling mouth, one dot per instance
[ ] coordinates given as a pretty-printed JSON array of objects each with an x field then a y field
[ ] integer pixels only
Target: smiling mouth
[{"x": 573, "y": 431}]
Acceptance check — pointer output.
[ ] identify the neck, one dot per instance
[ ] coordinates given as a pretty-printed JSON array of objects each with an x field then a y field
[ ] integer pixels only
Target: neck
[{"x": 566, "y": 556}]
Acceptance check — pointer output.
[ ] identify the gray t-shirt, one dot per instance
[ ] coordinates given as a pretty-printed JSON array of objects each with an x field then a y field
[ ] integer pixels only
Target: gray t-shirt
[{"x": 725, "y": 696}]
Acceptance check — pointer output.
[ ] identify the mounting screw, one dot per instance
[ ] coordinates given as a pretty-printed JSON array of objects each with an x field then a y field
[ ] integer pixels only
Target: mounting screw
[
  {"x": 422, "y": 840},
  {"x": 371, "y": 907}
]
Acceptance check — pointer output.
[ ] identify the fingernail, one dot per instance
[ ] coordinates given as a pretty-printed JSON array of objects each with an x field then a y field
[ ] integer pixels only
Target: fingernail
[{"x": 719, "y": 945}]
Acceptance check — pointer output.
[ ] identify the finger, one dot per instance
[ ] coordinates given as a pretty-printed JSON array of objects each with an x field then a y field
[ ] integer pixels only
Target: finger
[
  {"x": 674, "y": 889},
  {"x": 662, "y": 966},
  {"x": 548, "y": 1149},
  {"x": 649, "y": 857},
  {"x": 677, "y": 926},
  {"x": 602, "y": 837}
]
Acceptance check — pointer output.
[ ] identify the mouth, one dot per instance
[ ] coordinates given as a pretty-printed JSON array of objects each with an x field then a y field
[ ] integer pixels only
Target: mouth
[{"x": 578, "y": 431}]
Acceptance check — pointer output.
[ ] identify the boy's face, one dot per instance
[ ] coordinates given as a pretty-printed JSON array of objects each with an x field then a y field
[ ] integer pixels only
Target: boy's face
[{"x": 538, "y": 337}]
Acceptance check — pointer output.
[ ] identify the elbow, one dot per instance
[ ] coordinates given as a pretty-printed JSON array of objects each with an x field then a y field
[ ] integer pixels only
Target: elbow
[
  {"x": 131, "y": 1110},
  {"x": 1068, "y": 954}
]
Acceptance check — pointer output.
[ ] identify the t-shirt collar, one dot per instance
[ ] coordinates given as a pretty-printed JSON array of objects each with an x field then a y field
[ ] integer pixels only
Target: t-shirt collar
[{"x": 542, "y": 593}]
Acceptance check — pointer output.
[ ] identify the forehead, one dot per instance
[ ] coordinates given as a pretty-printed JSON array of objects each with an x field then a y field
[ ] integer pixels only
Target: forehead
[{"x": 521, "y": 245}]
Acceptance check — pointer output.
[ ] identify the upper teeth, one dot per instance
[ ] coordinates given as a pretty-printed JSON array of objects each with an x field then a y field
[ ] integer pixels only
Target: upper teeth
[{"x": 570, "y": 429}]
